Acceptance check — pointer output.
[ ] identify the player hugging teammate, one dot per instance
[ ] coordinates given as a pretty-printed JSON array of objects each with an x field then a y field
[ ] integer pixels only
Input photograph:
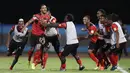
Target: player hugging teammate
[{"x": 106, "y": 42}]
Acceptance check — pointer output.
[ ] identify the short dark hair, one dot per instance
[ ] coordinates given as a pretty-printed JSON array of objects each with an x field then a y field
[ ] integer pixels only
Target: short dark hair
[
  {"x": 43, "y": 5},
  {"x": 87, "y": 16},
  {"x": 69, "y": 17},
  {"x": 114, "y": 17},
  {"x": 105, "y": 16},
  {"x": 103, "y": 11}
]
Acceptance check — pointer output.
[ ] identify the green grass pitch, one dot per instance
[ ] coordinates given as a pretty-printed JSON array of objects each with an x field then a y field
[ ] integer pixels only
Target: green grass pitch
[{"x": 53, "y": 66}]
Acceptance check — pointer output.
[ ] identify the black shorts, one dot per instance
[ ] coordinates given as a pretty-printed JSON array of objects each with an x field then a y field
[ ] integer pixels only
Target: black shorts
[
  {"x": 16, "y": 47},
  {"x": 70, "y": 49},
  {"x": 55, "y": 42},
  {"x": 37, "y": 40},
  {"x": 107, "y": 47},
  {"x": 118, "y": 50}
]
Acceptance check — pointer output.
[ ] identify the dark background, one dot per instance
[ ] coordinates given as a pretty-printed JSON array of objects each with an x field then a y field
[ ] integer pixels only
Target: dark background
[{"x": 12, "y": 10}]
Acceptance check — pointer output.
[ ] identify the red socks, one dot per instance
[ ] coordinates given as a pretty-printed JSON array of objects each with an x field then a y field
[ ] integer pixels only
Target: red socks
[
  {"x": 30, "y": 52},
  {"x": 37, "y": 54},
  {"x": 63, "y": 66},
  {"x": 79, "y": 62},
  {"x": 45, "y": 57},
  {"x": 114, "y": 59},
  {"x": 93, "y": 57}
]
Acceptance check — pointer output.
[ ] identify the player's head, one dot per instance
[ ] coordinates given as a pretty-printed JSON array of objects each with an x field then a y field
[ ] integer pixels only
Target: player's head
[
  {"x": 69, "y": 17},
  {"x": 21, "y": 23},
  {"x": 102, "y": 19},
  {"x": 43, "y": 9},
  {"x": 100, "y": 12},
  {"x": 86, "y": 19},
  {"x": 112, "y": 18}
]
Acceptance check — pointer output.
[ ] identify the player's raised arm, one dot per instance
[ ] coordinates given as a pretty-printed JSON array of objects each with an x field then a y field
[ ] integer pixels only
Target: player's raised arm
[
  {"x": 56, "y": 25},
  {"x": 9, "y": 34},
  {"x": 30, "y": 21}
]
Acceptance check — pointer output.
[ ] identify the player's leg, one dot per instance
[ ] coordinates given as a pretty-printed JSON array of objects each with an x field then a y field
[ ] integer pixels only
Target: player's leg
[
  {"x": 106, "y": 55},
  {"x": 12, "y": 47},
  {"x": 45, "y": 55},
  {"x": 37, "y": 54},
  {"x": 66, "y": 52},
  {"x": 91, "y": 49},
  {"x": 33, "y": 42},
  {"x": 114, "y": 57},
  {"x": 122, "y": 48},
  {"x": 76, "y": 56},
  {"x": 18, "y": 53},
  {"x": 56, "y": 44}
]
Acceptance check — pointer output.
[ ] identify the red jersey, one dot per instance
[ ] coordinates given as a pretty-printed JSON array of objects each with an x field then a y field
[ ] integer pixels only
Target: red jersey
[
  {"x": 114, "y": 27},
  {"x": 91, "y": 30},
  {"x": 37, "y": 29}
]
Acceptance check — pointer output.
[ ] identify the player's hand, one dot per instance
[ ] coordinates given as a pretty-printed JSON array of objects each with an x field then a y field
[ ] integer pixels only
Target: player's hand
[
  {"x": 117, "y": 45},
  {"x": 81, "y": 38},
  {"x": 59, "y": 35},
  {"x": 83, "y": 29},
  {"x": 100, "y": 37}
]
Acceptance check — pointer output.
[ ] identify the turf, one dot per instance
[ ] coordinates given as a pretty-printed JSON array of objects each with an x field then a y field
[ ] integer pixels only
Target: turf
[{"x": 53, "y": 65}]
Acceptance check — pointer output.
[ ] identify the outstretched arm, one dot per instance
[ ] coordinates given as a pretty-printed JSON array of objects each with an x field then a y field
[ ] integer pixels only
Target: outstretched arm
[{"x": 30, "y": 21}]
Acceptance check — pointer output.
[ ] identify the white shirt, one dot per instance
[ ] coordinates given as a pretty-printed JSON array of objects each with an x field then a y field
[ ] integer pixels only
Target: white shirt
[
  {"x": 51, "y": 31},
  {"x": 18, "y": 35},
  {"x": 71, "y": 34},
  {"x": 101, "y": 27},
  {"x": 122, "y": 38}
]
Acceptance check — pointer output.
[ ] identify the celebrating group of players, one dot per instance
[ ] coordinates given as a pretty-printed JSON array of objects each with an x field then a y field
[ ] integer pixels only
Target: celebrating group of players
[{"x": 106, "y": 42}]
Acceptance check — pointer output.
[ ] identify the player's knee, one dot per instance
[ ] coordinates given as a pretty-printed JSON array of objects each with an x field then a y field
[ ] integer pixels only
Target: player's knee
[{"x": 38, "y": 46}]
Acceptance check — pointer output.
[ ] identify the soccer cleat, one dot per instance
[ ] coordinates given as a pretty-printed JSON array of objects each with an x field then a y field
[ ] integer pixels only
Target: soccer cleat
[
  {"x": 96, "y": 68},
  {"x": 81, "y": 68},
  {"x": 43, "y": 69},
  {"x": 113, "y": 68},
  {"x": 61, "y": 69},
  {"x": 33, "y": 66}
]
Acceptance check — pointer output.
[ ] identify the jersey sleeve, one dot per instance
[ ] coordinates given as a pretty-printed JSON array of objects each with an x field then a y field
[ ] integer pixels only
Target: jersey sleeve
[
  {"x": 114, "y": 27},
  {"x": 62, "y": 25},
  {"x": 34, "y": 17},
  {"x": 93, "y": 30},
  {"x": 53, "y": 20}
]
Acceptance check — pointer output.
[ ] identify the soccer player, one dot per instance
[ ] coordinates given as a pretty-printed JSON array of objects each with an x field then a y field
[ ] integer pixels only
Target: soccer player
[
  {"x": 107, "y": 37},
  {"x": 72, "y": 42},
  {"x": 118, "y": 40},
  {"x": 125, "y": 31},
  {"x": 102, "y": 42},
  {"x": 93, "y": 36},
  {"x": 38, "y": 33},
  {"x": 18, "y": 41},
  {"x": 52, "y": 36}
]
